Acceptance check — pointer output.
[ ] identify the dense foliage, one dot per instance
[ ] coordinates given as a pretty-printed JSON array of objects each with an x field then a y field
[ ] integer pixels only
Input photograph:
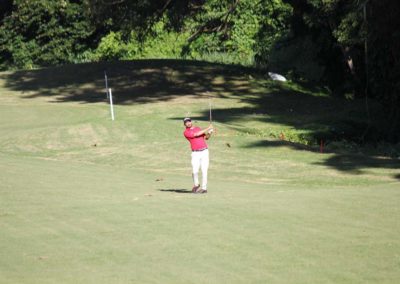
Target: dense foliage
[
  {"x": 43, "y": 32},
  {"x": 351, "y": 46},
  {"x": 383, "y": 60},
  {"x": 355, "y": 49}
]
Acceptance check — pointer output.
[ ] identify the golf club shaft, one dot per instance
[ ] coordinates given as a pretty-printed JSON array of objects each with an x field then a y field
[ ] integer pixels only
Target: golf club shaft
[{"x": 210, "y": 113}]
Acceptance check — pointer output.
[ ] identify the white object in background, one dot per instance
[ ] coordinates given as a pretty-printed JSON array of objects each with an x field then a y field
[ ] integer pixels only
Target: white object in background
[
  {"x": 111, "y": 104},
  {"x": 276, "y": 77}
]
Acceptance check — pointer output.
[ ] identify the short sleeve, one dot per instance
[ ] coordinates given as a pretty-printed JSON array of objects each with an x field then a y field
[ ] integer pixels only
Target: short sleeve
[{"x": 189, "y": 134}]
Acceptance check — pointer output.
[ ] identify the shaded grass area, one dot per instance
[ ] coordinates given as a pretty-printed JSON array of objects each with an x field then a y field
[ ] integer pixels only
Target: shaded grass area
[
  {"x": 244, "y": 103},
  {"x": 350, "y": 163},
  {"x": 309, "y": 110},
  {"x": 139, "y": 81}
]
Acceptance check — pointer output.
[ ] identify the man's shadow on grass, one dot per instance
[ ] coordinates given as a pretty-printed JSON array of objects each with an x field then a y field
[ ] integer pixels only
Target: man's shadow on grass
[{"x": 176, "y": 190}]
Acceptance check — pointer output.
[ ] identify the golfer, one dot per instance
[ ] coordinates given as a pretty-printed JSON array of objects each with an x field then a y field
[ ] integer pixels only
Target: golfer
[{"x": 200, "y": 158}]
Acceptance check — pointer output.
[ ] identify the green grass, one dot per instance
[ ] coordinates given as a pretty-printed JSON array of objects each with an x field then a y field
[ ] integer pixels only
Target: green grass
[{"x": 87, "y": 200}]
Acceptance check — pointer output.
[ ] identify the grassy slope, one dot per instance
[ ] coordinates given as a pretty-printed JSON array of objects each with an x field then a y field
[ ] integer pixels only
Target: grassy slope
[{"x": 74, "y": 212}]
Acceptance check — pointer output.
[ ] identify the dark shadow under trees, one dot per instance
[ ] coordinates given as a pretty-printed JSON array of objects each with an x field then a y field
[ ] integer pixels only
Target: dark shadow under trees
[
  {"x": 310, "y": 110},
  {"x": 139, "y": 81}
]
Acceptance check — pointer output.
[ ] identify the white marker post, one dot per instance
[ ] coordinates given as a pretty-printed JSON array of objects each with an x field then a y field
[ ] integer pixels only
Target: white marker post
[{"x": 111, "y": 103}]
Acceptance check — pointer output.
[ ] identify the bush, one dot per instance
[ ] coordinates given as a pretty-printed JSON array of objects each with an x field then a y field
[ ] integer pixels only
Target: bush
[
  {"x": 160, "y": 43},
  {"x": 163, "y": 43},
  {"x": 112, "y": 47},
  {"x": 43, "y": 32}
]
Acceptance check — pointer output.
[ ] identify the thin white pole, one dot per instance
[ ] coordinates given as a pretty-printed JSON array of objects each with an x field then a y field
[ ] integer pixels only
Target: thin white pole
[
  {"x": 111, "y": 104},
  {"x": 210, "y": 112},
  {"x": 106, "y": 80}
]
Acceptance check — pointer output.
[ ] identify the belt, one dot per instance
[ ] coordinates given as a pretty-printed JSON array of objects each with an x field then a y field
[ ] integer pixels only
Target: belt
[{"x": 199, "y": 150}]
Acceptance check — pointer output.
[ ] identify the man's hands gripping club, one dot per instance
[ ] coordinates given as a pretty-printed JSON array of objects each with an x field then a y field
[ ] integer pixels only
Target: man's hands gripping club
[{"x": 207, "y": 131}]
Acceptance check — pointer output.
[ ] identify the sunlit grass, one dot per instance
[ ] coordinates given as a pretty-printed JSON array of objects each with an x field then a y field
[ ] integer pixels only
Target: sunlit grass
[{"x": 87, "y": 200}]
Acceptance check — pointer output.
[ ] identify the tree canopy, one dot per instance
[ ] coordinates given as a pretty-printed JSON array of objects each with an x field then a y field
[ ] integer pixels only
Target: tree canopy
[{"x": 351, "y": 46}]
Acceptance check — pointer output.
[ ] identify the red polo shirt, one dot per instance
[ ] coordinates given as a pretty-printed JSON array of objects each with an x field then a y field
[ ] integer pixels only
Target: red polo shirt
[{"x": 196, "y": 143}]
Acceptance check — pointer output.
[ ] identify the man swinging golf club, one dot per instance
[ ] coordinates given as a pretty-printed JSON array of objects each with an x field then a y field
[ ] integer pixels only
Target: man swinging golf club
[{"x": 200, "y": 158}]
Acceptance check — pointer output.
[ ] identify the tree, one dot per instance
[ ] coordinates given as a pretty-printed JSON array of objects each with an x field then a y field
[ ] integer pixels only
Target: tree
[
  {"x": 357, "y": 42},
  {"x": 5, "y": 8},
  {"x": 44, "y": 32},
  {"x": 228, "y": 27},
  {"x": 140, "y": 15},
  {"x": 383, "y": 60},
  {"x": 324, "y": 44}
]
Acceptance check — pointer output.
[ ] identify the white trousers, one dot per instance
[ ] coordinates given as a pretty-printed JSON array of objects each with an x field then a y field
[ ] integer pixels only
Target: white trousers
[{"x": 200, "y": 160}]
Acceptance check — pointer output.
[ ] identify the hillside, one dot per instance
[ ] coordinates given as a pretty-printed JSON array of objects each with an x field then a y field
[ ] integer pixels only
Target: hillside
[{"x": 86, "y": 199}]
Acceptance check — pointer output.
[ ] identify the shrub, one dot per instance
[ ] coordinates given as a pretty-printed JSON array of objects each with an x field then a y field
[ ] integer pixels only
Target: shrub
[{"x": 43, "y": 32}]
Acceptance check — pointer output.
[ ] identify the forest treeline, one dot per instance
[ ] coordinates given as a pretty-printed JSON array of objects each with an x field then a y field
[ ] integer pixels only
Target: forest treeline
[{"x": 350, "y": 46}]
